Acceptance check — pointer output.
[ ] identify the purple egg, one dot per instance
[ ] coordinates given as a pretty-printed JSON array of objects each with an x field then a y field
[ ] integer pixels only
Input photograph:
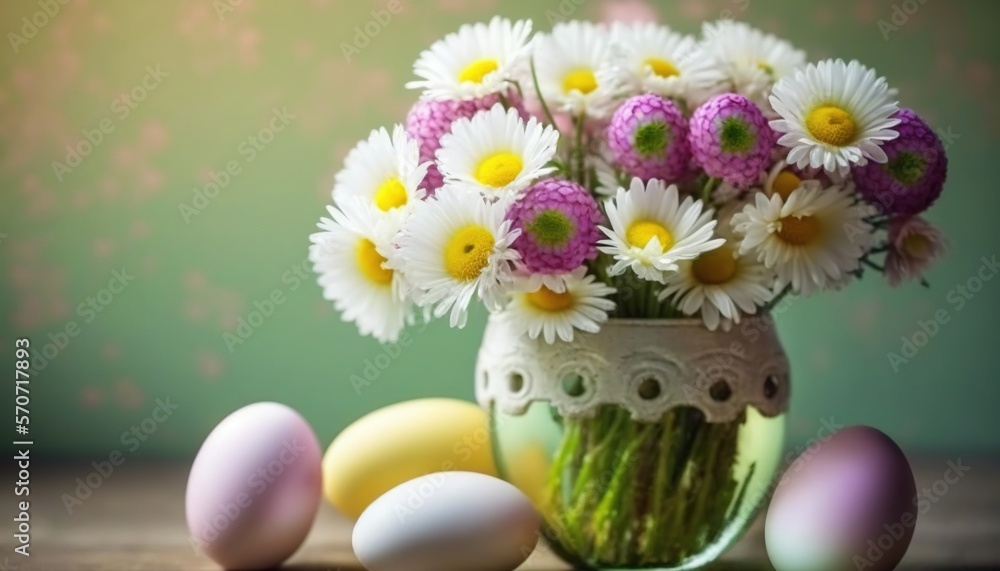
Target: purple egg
[
  {"x": 254, "y": 487},
  {"x": 848, "y": 502}
]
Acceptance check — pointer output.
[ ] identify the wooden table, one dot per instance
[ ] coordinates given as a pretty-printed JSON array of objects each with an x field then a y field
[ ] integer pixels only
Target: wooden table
[{"x": 135, "y": 521}]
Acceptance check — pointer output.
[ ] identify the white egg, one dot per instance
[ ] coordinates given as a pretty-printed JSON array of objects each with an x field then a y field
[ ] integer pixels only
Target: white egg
[
  {"x": 254, "y": 487},
  {"x": 447, "y": 521}
]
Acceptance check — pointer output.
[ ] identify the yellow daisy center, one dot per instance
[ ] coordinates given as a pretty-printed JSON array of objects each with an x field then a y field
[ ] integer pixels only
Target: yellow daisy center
[
  {"x": 916, "y": 246},
  {"x": 831, "y": 125},
  {"x": 799, "y": 230},
  {"x": 785, "y": 183},
  {"x": 477, "y": 70},
  {"x": 716, "y": 266},
  {"x": 548, "y": 300},
  {"x": 642, "y": 231},
  {"x": 765, "y": 67},
  {"x": 468, "y": 252},
  {"x": 499, "y": 169},
  {"x": 391, "y": 194},
  {"x": 370, "y": 263},
  {"x": 662, "y": 67},
  {"x": 582, "y": 80}
]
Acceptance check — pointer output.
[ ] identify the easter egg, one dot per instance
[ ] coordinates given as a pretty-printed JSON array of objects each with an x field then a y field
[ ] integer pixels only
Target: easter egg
[
  {"x": 447, "y": 521},
  {"x": 400, "y": 442},
  {"x": 848, "y": 502},
  {"x": 254, "y": 487}
]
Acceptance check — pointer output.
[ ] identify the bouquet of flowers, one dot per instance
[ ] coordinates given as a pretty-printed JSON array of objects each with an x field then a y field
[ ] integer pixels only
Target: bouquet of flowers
[{"x": 628, "y": 170}]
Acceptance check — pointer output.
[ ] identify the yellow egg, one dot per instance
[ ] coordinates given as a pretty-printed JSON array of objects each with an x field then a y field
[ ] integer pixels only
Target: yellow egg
[{"x": 400, "y": 442}]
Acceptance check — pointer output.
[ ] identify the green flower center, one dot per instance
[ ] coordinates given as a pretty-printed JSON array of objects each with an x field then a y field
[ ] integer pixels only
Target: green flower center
[
  {"x": 736, "y": 136},
  {"x": 907, "y": 167},
  {"x": 551, "y": 228},
  {"x": 651, "y": 138}
]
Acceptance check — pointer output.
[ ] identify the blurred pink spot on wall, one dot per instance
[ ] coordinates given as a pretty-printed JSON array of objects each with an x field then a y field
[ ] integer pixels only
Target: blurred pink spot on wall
[
  {"x": 81, "y": 198},
  {"x": 323, "y": 309},
  {"x": 20, "y": 276},
  {"x": 103, "y": 248},
  {"x": 151, "y": 179},
  {"x": 249, "y": 40},
  {"x": 210, "y": 365},
  {"x": 154, "y": 135},
  {"x": 111, "y": 351},
  {"x": 628, "y": 11},
  {"x": 195, "y": 312},
  {"x": 695, "y": 9},
  {"x": 822, "y": 359},
  {"x": 864, "y": 12},
  {"x": 303, "y": 50},
  {"x": 823, "y": 15},
  {"x": 139, "y": 229},
  {"x": 30, "y": 312},
  {"x": 980, "y": 74},
  {"x": 128, "y": 394},
  {"x": 124, "y": 157},
  {"x": 109, "y": 188},
  {"x": 194, "y": 280},
  {"x": 944, "y": 62},
  {"x": 864, "y": 318},
  {"x": 91, "y": 397},
  {"x": 464, "y": 5},
  {"x": 101, "y": 22}
]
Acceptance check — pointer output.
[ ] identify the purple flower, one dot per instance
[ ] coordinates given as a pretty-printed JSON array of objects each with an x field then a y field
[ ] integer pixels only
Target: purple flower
[
  {"x": 913, "y": 177},
  {"x": 648, "y": 138},
  {"x": 558, "y": 222},
  {"x": 731, "y": 140},
  {"x": 430, "y": 119}
]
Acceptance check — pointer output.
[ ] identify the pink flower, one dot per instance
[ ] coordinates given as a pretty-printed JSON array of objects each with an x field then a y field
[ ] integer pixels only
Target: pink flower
[{"x": 913, "y": 246}]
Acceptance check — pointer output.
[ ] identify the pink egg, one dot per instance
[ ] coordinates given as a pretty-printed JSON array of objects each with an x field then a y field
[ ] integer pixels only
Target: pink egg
[
  {"x": 254, "y": 487},
  {"x": 848, "y": 502}
]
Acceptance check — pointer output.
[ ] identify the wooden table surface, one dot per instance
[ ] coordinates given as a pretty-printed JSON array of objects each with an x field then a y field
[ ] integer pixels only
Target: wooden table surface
[{"x": 135, "y": 521}]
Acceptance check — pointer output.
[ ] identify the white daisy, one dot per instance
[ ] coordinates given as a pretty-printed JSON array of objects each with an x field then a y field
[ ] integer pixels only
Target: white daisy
[
  {"x": 496, "y": 152},
  {"x": 661, "y": 61},
  {"x": 834, "y": 115},
  {"x": 750, "y": 59},
  {"x": 721, "y": 284},
  {"x": 575, "y": 69},
  {"x": 474, "y": 62},
  {"x": 456, "y": 245},
  {"x": 350, "y": 255},
  {"x": 383, "y": 171},
  {"x": 537, "y": 310},
  {"x": 651, "y": 230},
  {"x": 812, "y": 241}
]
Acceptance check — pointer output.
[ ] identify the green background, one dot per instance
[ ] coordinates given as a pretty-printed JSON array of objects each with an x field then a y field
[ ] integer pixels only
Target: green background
[{"x": 163, "y": 335}]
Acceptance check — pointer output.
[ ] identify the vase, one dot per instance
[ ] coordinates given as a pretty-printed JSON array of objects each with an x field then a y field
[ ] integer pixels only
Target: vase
[{"x": 650, "y": 444}]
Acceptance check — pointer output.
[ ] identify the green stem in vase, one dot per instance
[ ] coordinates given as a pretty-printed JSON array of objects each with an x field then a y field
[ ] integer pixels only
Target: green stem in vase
[{"x": 633, "y": 493}]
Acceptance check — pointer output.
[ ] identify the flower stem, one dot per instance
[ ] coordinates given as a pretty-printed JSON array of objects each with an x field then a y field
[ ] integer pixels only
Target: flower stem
[{"x": 541, "y": 100}]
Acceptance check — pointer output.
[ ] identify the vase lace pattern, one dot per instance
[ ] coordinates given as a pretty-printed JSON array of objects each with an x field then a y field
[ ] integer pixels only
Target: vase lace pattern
[{"x": 647, "y": 367}]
